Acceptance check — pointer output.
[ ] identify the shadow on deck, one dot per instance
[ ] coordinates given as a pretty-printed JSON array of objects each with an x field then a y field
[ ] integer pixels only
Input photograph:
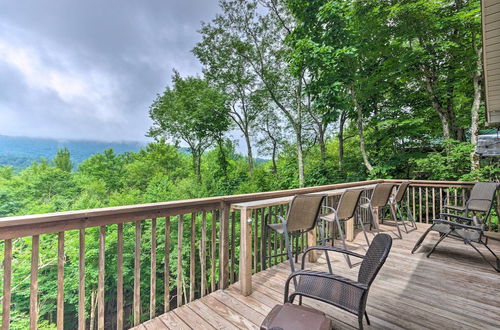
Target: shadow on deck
[{"x": 454, "y": 289}]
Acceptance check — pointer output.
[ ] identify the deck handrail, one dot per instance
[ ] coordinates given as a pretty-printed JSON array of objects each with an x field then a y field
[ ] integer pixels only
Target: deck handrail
[{"x": 211, "y": 226}]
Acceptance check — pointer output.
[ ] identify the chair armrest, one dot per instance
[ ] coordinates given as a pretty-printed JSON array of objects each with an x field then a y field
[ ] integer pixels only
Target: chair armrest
[
  {"x": 329, "y": 276},
  {"x": 449, "y": 215},
  {"x": 455, "y": 224},
  {"x": 329, "y": 248},
  {"x": 266, "y": 219}
]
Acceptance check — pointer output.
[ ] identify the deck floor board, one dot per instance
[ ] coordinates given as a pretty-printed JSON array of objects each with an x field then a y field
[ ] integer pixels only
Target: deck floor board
[{"x": 454, "y": 289}]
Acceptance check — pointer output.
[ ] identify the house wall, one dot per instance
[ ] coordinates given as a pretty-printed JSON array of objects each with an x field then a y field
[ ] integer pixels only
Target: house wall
[{"x": 491, "y": 52}]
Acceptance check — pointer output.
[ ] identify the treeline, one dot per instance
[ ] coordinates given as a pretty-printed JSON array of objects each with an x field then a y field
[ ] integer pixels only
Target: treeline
[{"x": 329, "y": 91}]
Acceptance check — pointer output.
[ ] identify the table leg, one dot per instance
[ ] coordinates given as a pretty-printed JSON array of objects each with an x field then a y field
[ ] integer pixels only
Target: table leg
[
  {"x": 349, "y": 229},
  {"x": 311, "y": 241}
]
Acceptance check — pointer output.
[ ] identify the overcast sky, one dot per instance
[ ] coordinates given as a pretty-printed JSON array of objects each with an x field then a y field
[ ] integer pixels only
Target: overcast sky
[{"x": 90, "y": 69}]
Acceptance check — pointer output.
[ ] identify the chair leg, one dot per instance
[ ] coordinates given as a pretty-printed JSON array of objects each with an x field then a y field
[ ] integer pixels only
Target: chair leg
[
  {"x": 443, "y": 236},
  {"x": 323, "y": 242},
  {"x": 421, "y": 239},
  {"x": 364, "y": 231},
  {"x": 375, "y": 225},
  {"x": 341, "y": 233},
  {"x": 395, "y": 218},
  {"x": 264, "y": 253},
  {"x": 290, "y": 256},
  {"x": 397, "y": 211},
  {"x": 410, "y": 216},
  {"x": 360, "y": 321},
  {"x": 495, "y": 267},
  {"x": 367, "y": 319}
]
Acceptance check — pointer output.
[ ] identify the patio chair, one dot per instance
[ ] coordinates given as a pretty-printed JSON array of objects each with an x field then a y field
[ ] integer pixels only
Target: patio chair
[
  {"x": 346, "y": 209},
  {"x": 301, "y": 217},
  {"x": 339, "y": 291},
  {"x": 379, "y": 198},
  {"x": 469, "y": 229},
  {"x": 396, "y": 202}
]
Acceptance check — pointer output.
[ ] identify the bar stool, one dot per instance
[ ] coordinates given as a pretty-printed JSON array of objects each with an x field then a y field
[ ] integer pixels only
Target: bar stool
[
  {"x": 379, "y": 198},
  {"x": 346, "y": 209},
  {"x": 396, "y": 202},
  {"x": 301, "y": 217}
]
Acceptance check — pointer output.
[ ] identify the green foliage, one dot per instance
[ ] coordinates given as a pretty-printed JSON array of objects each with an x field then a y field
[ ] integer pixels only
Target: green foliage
[{"x": 62, "y": 160}]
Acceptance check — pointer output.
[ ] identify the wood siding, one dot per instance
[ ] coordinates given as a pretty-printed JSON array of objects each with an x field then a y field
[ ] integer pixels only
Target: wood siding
[{"x": 491, "y": 54}]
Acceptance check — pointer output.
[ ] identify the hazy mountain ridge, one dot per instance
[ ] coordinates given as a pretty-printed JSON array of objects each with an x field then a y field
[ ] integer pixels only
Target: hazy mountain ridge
[{"x": 20, "y": 152}]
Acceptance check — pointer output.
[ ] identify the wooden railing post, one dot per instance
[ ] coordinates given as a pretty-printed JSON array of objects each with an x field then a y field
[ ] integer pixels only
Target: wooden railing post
[
  {"x": 246, "y": 252},
  {"x": 224, "y": 245}
]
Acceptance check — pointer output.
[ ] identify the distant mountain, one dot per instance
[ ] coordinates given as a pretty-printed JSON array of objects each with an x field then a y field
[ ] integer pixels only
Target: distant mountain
[{"x": 20, "y": 152}]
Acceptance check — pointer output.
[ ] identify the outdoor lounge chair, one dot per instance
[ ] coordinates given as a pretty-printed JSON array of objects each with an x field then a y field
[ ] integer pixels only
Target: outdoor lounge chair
[
  {"x": 379, "y": 198},
  {"x": 301, "y": 217},
  {"x": 346, "y": 209},
  {"x": 471, "y": 230},
  {"x": 339, "y": 291}
]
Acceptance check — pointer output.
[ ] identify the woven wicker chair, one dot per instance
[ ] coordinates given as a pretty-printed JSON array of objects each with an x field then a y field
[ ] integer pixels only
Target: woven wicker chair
[
  {"x": 396, "y": 203},
  {"x": 472, "y": 230},
  {"x": 339, "y": 291},
  {"x": 346, "y": 209},
  {"x": 301, "y": 217},
  {"x": 380, "y": 198}
]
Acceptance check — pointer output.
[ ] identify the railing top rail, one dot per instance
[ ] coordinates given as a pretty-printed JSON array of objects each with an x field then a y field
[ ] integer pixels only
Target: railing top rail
[
  {"x": 19, "y": 226},
  {"x": 162, "y": 207}
]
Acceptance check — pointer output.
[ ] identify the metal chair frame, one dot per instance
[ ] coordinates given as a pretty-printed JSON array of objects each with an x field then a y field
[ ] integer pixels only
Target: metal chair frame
[
  {"x": 395, "y": 202},
  {"x": 377, "y": 191},
  {"x": 469, "y": 229},
  {"x": 367, "y": 273},
  {"x": 333, "y": 217},
  {"x": 286, "y": 233}
]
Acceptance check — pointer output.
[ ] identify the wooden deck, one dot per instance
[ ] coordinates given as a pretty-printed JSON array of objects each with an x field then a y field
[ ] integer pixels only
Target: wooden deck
[{"x": 453, "y": 289}]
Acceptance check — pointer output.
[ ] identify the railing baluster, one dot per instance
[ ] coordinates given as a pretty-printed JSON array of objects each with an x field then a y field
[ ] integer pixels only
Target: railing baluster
[
  {"x": 262, "y": 245},
  {"x": 137, "y": 274},
  {"x": 212, "y": 251},
  {"x": 281, "y": 237},
  {"x": 166, "y": 284},
  {"x": 420, "y": 203},
  {"x": 233, "y": 245},
  {"x": 192, "y": 259},
  {"x": 100, "y": 284},
  {"x": 456, "y": 198},
  {"x": 426, "y": 205},
  {"x": 35, "y": 244},
  {"x": 179, "y": 259},
  {"x": 255, "y": 237},
  {"x": 440, "y": 200},
  {"x": 224, "y": 246},
  {"x": 203, "y": 251},
  {"x": 60, "y": 280},
  {"x": 7, "y": 278},
  {"x": 152, "y": 294},
  {"x": 433, "y": 203},
  {"x": 414, "y": 204},
  {"x": 119, "y": 277}
]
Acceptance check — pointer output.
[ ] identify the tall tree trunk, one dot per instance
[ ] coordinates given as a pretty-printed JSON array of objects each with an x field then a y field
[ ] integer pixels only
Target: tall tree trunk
[
  {"x": 196, "y": 164},
  {"x": 474, "y": 128},
  {"x": 322, "y": 145},
  {"x": 275, "y": 168},
  {"x": 300, "y": 157},
  {"x": 249, "y": 152},
  {"x": 359, "y": 122},
  {"x": 343, "y": 117}
]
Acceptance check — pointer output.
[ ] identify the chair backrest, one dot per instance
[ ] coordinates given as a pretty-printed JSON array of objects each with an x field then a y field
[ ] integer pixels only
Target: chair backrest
[
  {"x": 401, "y": 191},
  {"x": 348, "y": 203},
  {"x": 374, "y": 259},
  {"x": 481, "y": 196},
  {"x": 303, "y": 212},
  {"x": 381, "y": 194}
]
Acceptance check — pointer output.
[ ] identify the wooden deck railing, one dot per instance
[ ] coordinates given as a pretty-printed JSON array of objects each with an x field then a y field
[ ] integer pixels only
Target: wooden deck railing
[{"x": 185, "y": 248}]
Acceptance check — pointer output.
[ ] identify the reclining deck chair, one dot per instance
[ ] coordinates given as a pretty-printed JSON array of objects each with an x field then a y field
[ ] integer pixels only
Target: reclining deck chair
[
  {"x": 346, "y": 209},
  {"x": 469, "y": 229},
  {"x": 301, "y": 217},
  {"x": 339, "y": 291}
]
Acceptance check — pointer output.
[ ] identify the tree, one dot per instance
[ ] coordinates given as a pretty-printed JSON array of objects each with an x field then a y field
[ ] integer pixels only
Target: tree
[
  {"x": 224, "y": 65},
  {"x": 192, "y": 111},
  {"x": 62, "y": 160}
]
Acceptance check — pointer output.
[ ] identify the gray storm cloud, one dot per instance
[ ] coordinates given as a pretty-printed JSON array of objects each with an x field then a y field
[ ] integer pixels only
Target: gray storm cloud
[{"x": 90, "y": 69}]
